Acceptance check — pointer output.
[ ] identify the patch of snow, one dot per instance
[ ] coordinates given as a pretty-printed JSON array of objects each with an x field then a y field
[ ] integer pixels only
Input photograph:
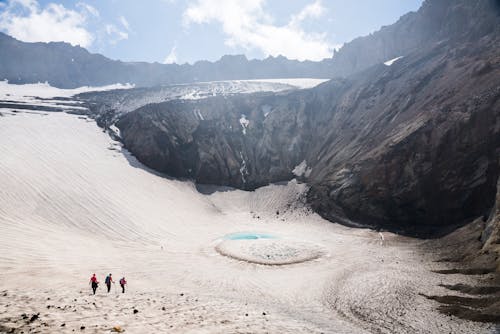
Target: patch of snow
[
  {"x": 115, "y": 129},
  {"x": 192, "y": 95},
  {"x": 302, "y": 169},
  {"x": 300, "y": 83},
  {"x": 382, "y": 238},
  {"x": 392, "y": 61},
  {"x": 200, "y": 115},
  {"x": 244, "y": 123},
  {"x": 243, "y": 168},
  {"x": 44, "y": 90},
  {"x": 266, "y": 109}
]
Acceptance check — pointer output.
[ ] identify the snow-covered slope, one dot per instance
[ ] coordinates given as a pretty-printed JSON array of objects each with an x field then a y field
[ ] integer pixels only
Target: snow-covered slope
[
  {"x": 42, "y": 96},
  {"x": 125, "y": 101},
  {"x": 46, "y": 91},
  {"x": 72, "y": 203}
]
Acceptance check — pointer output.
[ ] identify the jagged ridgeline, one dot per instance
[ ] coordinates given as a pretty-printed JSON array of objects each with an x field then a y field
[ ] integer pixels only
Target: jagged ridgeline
[{"x": 65, "y": 66}]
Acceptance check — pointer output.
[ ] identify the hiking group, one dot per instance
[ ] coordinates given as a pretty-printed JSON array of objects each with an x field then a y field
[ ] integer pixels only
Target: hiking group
[{"x": 108, "y": 281}]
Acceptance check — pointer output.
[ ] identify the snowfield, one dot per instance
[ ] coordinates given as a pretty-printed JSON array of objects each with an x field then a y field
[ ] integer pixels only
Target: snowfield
[
  {"x": 73, "y": 203},
  {"x": 42, "y": 96},
  {"x": 124, "y": 101},
  {"x": 46, "y": 91},
  {"x": 299, "y": 83}
]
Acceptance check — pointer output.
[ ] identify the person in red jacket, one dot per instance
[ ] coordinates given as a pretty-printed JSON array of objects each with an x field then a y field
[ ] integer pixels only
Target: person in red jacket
[
  {"x": 94, "y": 283},
  {"x": 122, "y": 284}
]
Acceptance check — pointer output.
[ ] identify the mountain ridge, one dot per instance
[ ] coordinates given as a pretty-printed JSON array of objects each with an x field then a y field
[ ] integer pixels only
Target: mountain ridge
[{"x": 65, "y": 66}]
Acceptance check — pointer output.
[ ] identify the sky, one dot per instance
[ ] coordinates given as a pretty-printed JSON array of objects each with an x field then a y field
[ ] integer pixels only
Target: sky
[{"x": 185, "y": 31}]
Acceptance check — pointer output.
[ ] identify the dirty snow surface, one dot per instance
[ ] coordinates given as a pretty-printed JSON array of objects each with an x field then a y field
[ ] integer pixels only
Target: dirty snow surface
[
  {"x": 44, "y": 97},
  {"x": 46, "y": 91},
  {"x": 73, "y": 203}
]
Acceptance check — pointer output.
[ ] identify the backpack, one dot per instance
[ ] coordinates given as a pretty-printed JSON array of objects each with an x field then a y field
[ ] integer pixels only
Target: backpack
[
  {"x": 122, "y": 281},
  {"x": 107, "y": 280}
]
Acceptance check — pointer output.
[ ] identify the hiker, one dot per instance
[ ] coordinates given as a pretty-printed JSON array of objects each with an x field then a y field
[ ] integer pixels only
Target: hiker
[
  {"x": 122, "y": 284},
  {"x": 94, "y": 283},
  {"x": 108, "y": 282}
]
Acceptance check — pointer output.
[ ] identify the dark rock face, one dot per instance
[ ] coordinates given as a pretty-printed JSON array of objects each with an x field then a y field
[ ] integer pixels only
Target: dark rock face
[
  {"x": 419, "y": 155},
  {"x": 210, "y": 140},
  {"x": 411, "y": 147},
  {"x": 435, "y": 21}
]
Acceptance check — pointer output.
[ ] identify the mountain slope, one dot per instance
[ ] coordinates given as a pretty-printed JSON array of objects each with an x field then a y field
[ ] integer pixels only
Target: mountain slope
[
  {"x": 435, "y": 21},
  {"x": 416, "y": 146},
  {"x": 66, "y": 66}
]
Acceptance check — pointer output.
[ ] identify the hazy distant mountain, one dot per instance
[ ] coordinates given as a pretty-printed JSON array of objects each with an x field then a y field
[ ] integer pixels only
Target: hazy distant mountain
[{"x": 66, "y": 66}]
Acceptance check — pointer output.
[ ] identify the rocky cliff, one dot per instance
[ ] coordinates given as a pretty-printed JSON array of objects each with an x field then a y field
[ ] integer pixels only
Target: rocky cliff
[
  {"x": 411, "y": 147},
  {"x": 436, "y": 20},
  {"x": 416, "y": 145},
  {"x": 228, "y": 141}
]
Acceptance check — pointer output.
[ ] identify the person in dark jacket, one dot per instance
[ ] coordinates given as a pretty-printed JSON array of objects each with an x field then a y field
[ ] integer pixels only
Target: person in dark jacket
[
  {"x": 94, "y": 283},
  {"x": 108, "y": 281}
]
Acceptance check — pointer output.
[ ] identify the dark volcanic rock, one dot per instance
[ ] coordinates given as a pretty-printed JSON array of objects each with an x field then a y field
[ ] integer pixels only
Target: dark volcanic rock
[
  {"x": 209, "y": 140},
  {"x": 435, "y": 21},
  {"x": 416, "y": 146}
]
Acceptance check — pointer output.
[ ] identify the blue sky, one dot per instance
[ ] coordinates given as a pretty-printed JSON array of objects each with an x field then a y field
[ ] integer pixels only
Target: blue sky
[{"x": 190, "y": 30}]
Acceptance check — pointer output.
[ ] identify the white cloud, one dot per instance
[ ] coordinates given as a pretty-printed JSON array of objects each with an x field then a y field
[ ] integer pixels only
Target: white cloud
[
  {"x": 124, "y": 22},
  {"x": 26, "y": 21},
  {"x": 247, "y": 25},
  {"x": 88, "y": 8},
  {"x": 172, "y": 56},
  {"x": 115, "y": 35},
  {"x": 313, "y": 10}
]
